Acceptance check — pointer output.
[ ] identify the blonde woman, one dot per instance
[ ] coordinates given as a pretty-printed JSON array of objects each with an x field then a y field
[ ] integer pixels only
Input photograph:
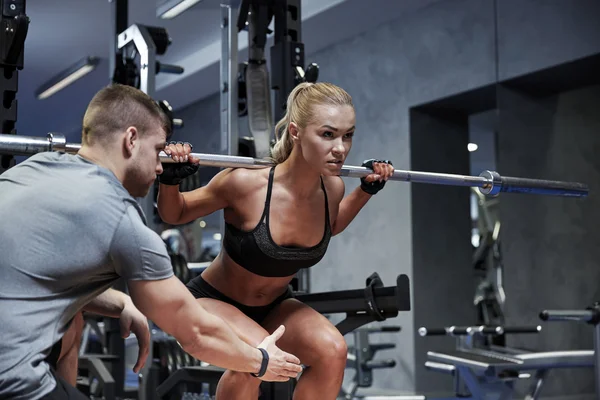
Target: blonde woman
[{"x": 278, "y": 221}]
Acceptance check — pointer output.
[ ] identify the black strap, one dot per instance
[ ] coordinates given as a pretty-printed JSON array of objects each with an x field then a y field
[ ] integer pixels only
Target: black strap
[
  {"x": 269, "y": 191},
  {"x": 263, "y": 364},
  {"x": 373, "y": 281},
  {"x": 326, "y": 205}
]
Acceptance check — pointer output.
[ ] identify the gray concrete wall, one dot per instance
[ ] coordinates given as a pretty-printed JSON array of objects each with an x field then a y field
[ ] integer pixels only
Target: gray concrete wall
[
  {"x": 551, "y": 244},
  {"x": 441, "y": 50},
  {"x": 535, "y": 34}
]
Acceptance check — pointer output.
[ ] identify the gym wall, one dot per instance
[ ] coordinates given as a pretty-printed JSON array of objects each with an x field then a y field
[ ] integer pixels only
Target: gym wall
[
  {"x": 550, "y": 245},
  {"x": 435, "y": 52}
]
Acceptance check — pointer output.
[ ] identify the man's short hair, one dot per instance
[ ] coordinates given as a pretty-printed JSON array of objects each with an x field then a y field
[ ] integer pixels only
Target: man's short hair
[{"x": 117, "y": 107}]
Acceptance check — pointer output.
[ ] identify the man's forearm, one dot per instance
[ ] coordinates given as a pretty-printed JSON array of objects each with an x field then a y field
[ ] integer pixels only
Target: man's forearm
[
  {"x": 108, "y": 304},
  {"x": 349, "y": 208},
  {"x": 214, "y": 342}
]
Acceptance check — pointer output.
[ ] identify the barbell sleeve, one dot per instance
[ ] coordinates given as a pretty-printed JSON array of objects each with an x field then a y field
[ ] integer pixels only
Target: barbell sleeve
[
  {"x": 541, "y": 186},
  {"x": 28, "y": 145},
  {"x": 488, "y": 182}
]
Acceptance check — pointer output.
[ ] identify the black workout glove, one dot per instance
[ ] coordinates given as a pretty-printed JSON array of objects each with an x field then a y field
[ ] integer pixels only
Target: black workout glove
[
  {"x": 375, "y": 186},
  {"x": 174, "y": 173}
]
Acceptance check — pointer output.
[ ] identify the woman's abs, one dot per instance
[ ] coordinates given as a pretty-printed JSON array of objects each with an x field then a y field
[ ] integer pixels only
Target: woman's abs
[{"x": 242, "y": 285}]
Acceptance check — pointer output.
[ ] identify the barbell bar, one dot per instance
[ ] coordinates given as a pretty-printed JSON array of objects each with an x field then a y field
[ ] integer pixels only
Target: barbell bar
[{"x": 488, "y": 182}]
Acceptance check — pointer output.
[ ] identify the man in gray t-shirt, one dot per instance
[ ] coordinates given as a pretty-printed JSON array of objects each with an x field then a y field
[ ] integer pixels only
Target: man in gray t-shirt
[{"x": 72, "y": 227}]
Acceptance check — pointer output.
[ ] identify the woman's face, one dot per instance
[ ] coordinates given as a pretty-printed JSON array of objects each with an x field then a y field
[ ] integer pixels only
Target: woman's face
[{"x": 326, "y": 141}]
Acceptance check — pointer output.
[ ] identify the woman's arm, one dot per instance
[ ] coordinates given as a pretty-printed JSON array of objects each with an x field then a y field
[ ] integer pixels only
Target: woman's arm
[
  {"x": 349, "y": 208},
  {"x": 177, "y": 208},
  {"x": 350, "y": 205}
]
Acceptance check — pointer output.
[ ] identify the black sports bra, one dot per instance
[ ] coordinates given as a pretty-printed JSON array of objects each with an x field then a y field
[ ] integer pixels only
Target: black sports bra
[{"x": 258, "y": 253}]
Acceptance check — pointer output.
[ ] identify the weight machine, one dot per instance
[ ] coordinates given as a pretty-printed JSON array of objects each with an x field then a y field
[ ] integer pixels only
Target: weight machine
[
  {"x": 14, "y": 24},
  {"x": 246, "y": 87},
  {"x": 483, "y": 370}
]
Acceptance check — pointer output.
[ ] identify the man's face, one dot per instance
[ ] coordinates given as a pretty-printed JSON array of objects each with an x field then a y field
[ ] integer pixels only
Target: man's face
[{"x": 145, "y": 161}]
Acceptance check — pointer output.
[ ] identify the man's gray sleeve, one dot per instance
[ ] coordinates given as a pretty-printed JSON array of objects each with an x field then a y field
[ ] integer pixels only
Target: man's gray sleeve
[{"x": 138, "y": 253}]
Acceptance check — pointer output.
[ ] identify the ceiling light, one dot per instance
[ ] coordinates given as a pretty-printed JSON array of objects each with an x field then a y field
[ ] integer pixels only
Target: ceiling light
[
  {"x": 172, "y": 8},
  {"x": 66, "y": 77},
  {"x": 472, "y": 147}
]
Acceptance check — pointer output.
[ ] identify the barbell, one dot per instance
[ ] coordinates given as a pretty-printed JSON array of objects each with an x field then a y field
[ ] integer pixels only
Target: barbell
[{"x": 488, "y": 182}]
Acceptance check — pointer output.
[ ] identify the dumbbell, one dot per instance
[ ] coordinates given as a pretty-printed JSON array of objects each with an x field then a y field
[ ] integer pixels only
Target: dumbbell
[
  {"x": 188, "y": 360},
  {"x": 165, "y": 361},
  {"x": 177, "y": 354},
  {"x": 180, "y": 268},
  {"x": 171, "y": 357}
]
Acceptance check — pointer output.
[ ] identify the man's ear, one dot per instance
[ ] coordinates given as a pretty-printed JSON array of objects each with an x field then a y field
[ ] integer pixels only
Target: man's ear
[
  {"x": 294, "y": 131},
  {"x": 130, "y": 140}
]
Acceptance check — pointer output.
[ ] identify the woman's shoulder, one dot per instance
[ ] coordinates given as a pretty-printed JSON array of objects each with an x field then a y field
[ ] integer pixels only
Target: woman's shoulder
[
  {"x": 247, "y": 179},
  {"x": 335, "y": 187}
]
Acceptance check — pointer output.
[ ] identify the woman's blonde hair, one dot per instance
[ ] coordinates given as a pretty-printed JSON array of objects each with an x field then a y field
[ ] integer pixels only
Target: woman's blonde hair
[{"x": 299, "y": 111}]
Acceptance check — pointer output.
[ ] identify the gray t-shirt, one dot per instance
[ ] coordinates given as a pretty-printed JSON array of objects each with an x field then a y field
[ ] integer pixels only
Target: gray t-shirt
[{"x": 69, "y": 231}]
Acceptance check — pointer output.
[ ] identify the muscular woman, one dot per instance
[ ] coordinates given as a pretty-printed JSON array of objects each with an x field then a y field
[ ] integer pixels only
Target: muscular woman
[{"x": 278, "y": 221}]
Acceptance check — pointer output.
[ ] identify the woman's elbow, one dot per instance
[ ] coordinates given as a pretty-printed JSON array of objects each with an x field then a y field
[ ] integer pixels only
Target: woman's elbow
[
  {"x": 168, "y": 218},
  {"x": 169, "y": 213},
  {"x": 336, "y": 230}
]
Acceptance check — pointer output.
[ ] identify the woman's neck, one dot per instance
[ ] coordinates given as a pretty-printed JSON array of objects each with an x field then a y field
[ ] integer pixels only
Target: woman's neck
[{"x": 298, "y": 176}]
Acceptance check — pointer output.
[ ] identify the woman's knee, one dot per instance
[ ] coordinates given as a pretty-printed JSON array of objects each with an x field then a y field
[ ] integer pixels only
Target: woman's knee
[{"x": 331, "y": 347}]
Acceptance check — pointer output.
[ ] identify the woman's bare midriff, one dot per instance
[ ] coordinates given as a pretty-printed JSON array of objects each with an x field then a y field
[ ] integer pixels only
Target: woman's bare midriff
[{"x": 241, "y": 285}]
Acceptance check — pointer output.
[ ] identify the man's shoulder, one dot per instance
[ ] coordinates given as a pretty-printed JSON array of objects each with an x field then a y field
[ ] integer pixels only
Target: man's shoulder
[{"x": 46, "y": 158}]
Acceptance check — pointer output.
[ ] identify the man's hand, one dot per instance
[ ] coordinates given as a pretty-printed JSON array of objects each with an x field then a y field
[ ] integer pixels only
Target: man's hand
[
  {"x": 133, "y": 321},
  {"x": 282, "y": 366}
]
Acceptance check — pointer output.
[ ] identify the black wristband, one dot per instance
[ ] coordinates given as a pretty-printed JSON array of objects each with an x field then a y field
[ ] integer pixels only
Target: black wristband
[{"x": 263, "y": 364}]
